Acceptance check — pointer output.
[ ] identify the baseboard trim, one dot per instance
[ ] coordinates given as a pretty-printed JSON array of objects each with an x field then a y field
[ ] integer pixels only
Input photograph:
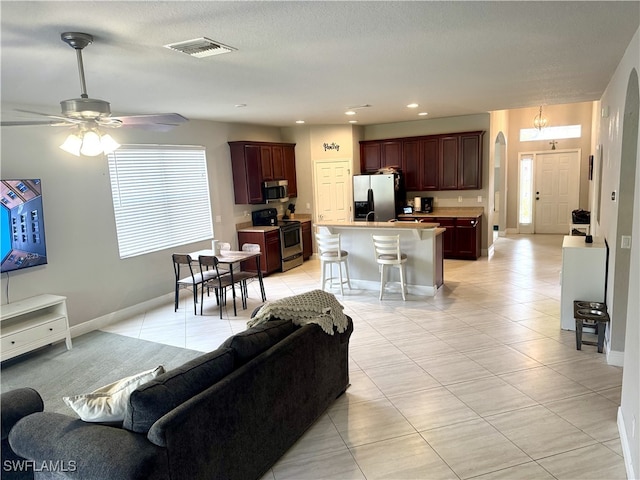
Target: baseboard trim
[
  {"x": 108, "y": 319},
  {"x": 393, "y": 288},
  {"x": 615, "y": 358},
  {"x": 626, "y": 448}
]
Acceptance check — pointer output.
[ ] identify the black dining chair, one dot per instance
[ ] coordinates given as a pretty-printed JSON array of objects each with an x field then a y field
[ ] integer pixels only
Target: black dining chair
[
  {"x": 182, "y": 264},
  {"x": 219, "y": 282}
]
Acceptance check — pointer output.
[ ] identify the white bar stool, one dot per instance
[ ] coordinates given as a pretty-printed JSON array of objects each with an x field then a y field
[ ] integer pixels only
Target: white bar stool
[
  {"x": 330, "y": 252},
  {"x": 388, "y": 255}
]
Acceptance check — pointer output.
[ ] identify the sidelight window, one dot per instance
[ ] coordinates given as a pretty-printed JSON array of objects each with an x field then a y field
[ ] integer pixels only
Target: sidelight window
[{"x": 160, "y": 197}]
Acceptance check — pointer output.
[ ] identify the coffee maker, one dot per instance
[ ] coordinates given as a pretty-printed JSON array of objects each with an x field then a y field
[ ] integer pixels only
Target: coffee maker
[{"x": 426, "y": 204}]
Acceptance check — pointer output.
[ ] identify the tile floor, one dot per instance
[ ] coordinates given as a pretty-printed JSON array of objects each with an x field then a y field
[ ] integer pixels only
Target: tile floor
[{"x": 477, "y": 382}]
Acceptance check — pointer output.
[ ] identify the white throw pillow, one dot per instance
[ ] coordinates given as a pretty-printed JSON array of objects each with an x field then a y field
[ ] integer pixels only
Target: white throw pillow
[{"x": 108, "y": 403}]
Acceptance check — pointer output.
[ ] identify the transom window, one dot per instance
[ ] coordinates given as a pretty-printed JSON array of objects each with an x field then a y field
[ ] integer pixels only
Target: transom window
[
  {"x": 160, "y": 197},
  {"x": 550, "y": 133}
]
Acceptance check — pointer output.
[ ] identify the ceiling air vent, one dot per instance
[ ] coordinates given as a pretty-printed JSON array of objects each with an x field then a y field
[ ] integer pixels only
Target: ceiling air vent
[{"x": 200, "y": 47}]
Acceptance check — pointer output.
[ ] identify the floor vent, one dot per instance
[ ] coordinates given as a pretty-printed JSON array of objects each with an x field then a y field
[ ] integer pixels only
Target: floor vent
[{"x": 200, "y": 47}]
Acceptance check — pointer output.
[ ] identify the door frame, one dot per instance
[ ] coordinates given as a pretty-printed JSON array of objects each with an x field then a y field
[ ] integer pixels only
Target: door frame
[{"x": 531, "y": 229}]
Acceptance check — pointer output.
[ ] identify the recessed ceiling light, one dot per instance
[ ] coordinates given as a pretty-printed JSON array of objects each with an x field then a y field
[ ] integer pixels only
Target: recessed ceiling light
[
  {"x": 423, "y": 114},
  {"x": 412, "y": 105},
  {"x": 353, "y": 121},
  {"x": 240, "y": 105},
  {"x": 349, "y": 112},
  {"x": 299, "y": 121}
]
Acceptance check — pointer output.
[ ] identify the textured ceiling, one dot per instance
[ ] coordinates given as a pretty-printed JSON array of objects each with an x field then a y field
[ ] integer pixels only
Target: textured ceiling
[{"x": 312, "y": 60}]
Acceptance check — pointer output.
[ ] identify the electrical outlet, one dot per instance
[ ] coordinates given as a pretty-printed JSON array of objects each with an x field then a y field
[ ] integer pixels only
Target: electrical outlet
[
  {"x": 218, "y": 219},
  {"x": 308, "y": 206},
  {"x": 460, "y": 199},
  {"x": 479, "y": 198},
  {"x": 246, "y": 213}
]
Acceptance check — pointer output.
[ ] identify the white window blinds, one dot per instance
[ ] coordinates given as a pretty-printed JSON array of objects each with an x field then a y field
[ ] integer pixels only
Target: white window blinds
[{"x": 160, "y": 197}]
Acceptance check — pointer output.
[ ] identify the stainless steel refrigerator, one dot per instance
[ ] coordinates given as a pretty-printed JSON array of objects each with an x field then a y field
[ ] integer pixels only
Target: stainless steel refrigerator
[{"x": 378, "y": 197}]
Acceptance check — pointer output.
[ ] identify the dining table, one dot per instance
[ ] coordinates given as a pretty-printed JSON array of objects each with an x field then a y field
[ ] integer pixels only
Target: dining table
[{"x": 231, "y": 258}]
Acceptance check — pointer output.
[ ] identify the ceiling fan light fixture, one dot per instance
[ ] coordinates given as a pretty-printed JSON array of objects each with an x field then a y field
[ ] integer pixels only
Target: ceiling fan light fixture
[
  {"x": 72, "y": 145},
  {"x": 108, "y": 144},
  {"x": 89, "y": 143}
]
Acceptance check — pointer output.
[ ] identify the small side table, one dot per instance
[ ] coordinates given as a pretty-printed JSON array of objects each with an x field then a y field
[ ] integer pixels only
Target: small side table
[{"x": 591, "y": 314}]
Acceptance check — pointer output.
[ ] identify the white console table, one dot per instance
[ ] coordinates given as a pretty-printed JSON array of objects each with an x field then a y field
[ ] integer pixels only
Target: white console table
[
  {"x": 584, "y": 271},
  {"x": 32, "y": 323}
]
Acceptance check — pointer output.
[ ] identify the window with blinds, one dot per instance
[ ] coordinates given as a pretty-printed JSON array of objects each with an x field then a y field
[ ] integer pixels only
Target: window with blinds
[{"x": 160, "y": 197}]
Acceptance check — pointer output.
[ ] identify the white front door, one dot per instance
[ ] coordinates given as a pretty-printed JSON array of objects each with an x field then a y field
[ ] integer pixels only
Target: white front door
[
  {"x": 333, "y": 190},
  {"x": 557, "y": 186}
]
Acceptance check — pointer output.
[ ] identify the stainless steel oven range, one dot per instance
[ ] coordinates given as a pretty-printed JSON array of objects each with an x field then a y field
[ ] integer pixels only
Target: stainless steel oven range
[{"x": 290, "y": 236}]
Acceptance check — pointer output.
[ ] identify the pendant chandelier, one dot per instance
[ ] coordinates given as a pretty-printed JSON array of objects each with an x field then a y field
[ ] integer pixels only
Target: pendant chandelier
[{"x": 539, "y": 121}]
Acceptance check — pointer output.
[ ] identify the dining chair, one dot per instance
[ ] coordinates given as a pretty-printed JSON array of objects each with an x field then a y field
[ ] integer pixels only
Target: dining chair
[
  {"x": 243, "y": 276},
  {"x": 194, "y": 279},
  {"x": 219, "y": 283},
  {"x": 330, "y": 252},
  {"x": 387, "y": 250}
]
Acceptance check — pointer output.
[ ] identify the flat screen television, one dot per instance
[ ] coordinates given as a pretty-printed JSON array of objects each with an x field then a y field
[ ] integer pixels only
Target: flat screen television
[{"x": 22, "y": 225}]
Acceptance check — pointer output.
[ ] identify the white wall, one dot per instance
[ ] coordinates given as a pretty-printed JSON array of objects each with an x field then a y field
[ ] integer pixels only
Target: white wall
[
  {"x": 610, "y": 136},
  {"x": 82, "y": 249}
]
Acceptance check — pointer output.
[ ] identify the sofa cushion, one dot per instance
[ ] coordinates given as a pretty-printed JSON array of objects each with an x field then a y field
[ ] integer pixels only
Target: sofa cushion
[
  {"x": 108, "y": 403},
  {"x": 151, "y": 401},
  {"x": 252, "y": 342}
]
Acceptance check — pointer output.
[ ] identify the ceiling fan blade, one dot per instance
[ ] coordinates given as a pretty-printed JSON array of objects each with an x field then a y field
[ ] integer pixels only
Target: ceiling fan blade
[
  {"x": 159, "y": 121},
  {"x": 51, "y": 123},
  {"x": 59, "y": 117}
]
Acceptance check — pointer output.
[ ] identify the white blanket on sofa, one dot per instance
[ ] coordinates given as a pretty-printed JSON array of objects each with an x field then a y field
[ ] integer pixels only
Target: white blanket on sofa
[{"x": 317, "y": 306}]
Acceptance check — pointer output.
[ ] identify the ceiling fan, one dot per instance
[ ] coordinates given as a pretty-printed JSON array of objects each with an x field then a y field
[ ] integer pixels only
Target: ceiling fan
[{"x": 88, "y": 114}]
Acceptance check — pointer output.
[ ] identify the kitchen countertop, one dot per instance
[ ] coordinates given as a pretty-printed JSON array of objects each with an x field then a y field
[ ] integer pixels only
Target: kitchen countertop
[
  {"x": 449, "y": 212},
  {"x": 250, "y": 229},
  {"x": 391, "y": 225}
]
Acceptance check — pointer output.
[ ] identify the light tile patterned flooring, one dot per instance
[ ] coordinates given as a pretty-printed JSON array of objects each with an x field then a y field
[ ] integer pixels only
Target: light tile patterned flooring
[{"x": 477, "y": 382}]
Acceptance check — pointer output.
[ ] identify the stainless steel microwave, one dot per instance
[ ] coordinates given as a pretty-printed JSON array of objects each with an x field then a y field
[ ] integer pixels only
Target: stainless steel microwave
[{"x": 276, "y": 191}]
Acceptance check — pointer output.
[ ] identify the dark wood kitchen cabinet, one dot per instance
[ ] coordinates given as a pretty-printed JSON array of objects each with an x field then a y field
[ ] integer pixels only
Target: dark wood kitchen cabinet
[
  {"x": 470, "y": 161},
  {"x": 269, "y": 242},
  {"x": 462, "y": 238},
  {"x": 428, "y": 165},
  {"x": 289, "y": 153},
  {"x": 253, "y": 163},
  {"x": 468, "y": 237},
  {"x": 380, "y": 154},
  {"x": 448, "y": 237},
  {"x": 448, "y": 163},
  {"x": 433, "y": 162},
  {"x": 307, "y": 242}
]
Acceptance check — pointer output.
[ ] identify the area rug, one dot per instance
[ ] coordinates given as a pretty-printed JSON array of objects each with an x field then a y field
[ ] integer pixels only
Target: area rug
[{"x": 96, "y": 359}]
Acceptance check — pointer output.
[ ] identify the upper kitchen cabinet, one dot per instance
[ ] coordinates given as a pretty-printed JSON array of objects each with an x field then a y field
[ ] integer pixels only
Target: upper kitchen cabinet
[
  {"x": 379, "y": 154},
  {"x": 434, "y": 162},
  {"x": 253, "y": 163},
  {"x": 290, "y": 168},
  {"x": 448, "y": 163},
  {"x": 470, "y": 162}
]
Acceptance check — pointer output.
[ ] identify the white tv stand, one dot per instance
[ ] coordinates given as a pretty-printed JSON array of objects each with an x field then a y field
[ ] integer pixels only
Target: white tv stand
[{"x": 32, "y": 323}]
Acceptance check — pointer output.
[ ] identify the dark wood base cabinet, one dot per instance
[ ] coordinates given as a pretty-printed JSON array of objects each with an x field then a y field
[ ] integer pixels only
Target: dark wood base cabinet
[
  {"x": 271, "y": 260},
  {"x": 307, "y": 245},
  {"x": 462, "y": 238}
]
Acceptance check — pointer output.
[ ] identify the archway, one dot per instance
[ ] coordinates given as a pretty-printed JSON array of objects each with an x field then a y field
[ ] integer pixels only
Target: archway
[
  {"x": 626, "y": 192},
  {"x": 499, "y": 217}
]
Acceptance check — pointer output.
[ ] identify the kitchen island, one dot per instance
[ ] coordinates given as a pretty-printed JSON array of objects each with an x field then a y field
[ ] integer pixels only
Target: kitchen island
[{"x": 421, "y": 242}]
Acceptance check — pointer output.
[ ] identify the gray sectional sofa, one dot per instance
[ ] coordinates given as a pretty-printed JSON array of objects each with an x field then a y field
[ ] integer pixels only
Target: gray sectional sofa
[{"x": 229, "y": 414}]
